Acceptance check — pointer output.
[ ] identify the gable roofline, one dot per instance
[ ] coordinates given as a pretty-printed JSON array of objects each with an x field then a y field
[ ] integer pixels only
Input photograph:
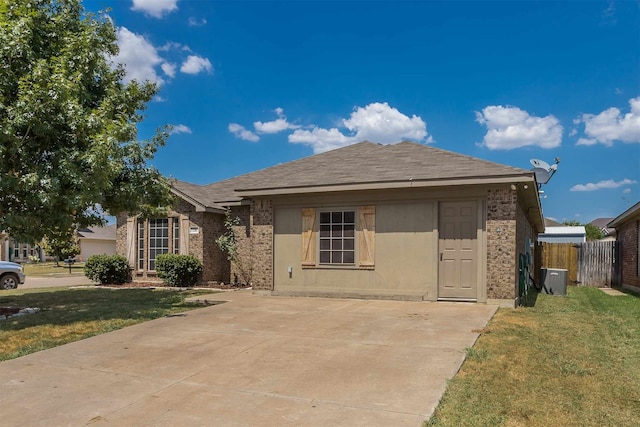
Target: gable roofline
[
  {"x": 364, "y": 166},
  {"x": 200, "y": 207},
  {"x": 620, "y": 219}
]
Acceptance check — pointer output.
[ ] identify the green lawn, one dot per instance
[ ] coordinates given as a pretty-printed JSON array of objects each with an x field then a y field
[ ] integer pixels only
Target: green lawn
[
  {"x": 50, "y": 268},
  {"x": 566, "y": 361},
  {"x": 73, "y": 314}
]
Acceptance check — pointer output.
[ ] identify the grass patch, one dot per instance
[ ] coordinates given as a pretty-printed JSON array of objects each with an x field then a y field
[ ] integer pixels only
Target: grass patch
[
  {"x": 69, "y": 315},
  {"x": 572, "y": 361},
  {"x": 50, "y": 268}
]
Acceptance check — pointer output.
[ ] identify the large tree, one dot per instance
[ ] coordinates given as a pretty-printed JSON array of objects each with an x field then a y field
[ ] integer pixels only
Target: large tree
[{"x": 69, "y": 147}]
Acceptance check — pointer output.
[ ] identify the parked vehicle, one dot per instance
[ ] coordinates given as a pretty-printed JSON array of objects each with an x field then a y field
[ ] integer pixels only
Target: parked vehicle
[{"x": 11, "y": 275}]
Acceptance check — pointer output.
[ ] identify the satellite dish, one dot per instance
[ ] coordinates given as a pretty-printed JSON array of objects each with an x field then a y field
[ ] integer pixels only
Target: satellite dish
[
  {"x": 542, "y": 175},
  {"x": 540, "y": 164}
]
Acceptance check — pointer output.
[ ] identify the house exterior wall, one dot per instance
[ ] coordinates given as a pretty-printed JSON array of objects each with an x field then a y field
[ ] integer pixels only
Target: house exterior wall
[
  {"x": 406, "y": 244},
  {"x": 405, "y": 260},
  {"x": 628, "y": 234}
]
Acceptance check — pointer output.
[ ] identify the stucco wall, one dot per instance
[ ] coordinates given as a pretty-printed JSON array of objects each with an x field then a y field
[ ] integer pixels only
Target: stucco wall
[{"x": 405, "y": 254}]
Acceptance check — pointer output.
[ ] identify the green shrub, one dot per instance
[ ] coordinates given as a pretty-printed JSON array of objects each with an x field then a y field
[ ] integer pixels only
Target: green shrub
[
  {"x": 107, "y": 269},
  {"x": 178, "y": 270}
]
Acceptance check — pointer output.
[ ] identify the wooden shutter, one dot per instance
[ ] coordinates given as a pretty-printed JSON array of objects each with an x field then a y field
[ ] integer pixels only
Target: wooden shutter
[
  {"x": 308, "y": 237},
  {"x": 131, "y": 241},
  {"x": 184, "y": 235},
  {"x": 367, "y": 217}
]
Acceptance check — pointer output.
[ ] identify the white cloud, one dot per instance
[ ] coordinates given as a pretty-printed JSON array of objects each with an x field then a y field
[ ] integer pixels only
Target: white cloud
[
  {"x": 193, "y": 22},
  {"x": 608, "y": 184},
  {"x": 275, "y": 126},
  {"x": 180, "y": 129},
  {"x": 194, "y": 64},
  {"x": 376, "y": 122},
  {"x": 174, "y": 46},
  {"x": 139, "y": 57},
  {"x": 511, "y": 127},
  {"x": 610, "y": 125},
  {"x": 321, "y": 140},
  {"x": 240, "y": 132},
  {"x": 169, "y": 69},
  {"x": 155, "y": 8},
  {"x": 626, "y": 191}
]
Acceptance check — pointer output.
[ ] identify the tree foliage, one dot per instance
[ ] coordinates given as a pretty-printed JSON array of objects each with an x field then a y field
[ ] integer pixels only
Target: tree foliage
[
  {"x": 592, "y": 231},
  {"x": 68, "y": 123},
  {"x": 61, "y": 244}
]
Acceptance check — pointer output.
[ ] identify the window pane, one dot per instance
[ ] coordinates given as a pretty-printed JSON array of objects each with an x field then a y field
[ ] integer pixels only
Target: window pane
[
  {"x": 337, "y": 237},
  {"x": 349, "y": 230},
  {"x": 348, "y": 244},
  {"x": 348, "y": 257},
  {"x": 349, "y": 217}
]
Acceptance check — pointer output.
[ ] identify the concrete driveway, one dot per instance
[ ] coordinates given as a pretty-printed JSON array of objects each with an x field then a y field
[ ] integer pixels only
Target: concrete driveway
[{"x": 252, "y": 361}]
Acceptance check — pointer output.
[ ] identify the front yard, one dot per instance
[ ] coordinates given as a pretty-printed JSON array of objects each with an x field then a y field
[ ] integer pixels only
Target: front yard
[
  {"x": 567, "y": 361},
  {"x": 73, "y": 314}
]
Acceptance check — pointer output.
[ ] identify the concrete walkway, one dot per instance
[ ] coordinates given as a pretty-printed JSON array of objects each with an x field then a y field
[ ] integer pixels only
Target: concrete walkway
[{"x": 251, "y": 361}]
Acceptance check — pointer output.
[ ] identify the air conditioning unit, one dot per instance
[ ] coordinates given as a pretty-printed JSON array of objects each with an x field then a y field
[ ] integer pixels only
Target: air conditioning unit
[{"x": 555, "y": 280}]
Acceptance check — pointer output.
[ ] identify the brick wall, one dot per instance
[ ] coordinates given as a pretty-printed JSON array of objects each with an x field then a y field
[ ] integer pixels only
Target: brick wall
[
  {"x": 245, "y": 246},
  {"x": 501, "y": 243},
  {"x": 201, "y": 244},
  {"x": 627, "y": 235},
  {"x": 255, "y": 243}
]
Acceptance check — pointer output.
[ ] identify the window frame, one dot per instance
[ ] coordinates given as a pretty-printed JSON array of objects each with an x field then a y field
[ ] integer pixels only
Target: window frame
[
  {"x": 147, "y": 231},
  {"x": 333, "y": 235}
]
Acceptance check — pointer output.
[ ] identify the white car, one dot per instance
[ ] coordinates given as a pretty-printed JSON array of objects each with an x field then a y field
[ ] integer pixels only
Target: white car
[{"x": 11, "y": 275}]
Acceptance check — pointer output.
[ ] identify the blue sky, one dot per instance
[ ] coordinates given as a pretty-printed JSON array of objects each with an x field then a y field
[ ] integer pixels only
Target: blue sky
[{"x": 248, "y": 85}]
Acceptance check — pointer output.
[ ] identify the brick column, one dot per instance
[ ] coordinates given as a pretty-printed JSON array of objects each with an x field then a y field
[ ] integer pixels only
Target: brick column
[
  {"x": 262, "y": 244},
  {"x": 501, "y": 244}
]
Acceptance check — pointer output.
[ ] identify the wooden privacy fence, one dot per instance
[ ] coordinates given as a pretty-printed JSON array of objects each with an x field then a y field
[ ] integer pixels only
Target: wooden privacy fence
[{"x": 593, "y": 263}]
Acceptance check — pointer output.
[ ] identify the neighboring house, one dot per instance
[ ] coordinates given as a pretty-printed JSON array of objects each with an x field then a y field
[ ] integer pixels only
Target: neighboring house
[
  {"x": 551, "y": 223},
  {"x": 12, "y": 250},
  {"x": 96, "y": 241},
  {"x": 627, "y": 227},
  {"x": 402, "y": 221},
  {"x": 608, "y": 233},
  {"x": 564, "y": 234}
]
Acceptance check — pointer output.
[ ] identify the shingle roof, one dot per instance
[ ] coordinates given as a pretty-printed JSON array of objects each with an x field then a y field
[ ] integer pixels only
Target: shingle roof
[
  {"x": 108, "y": 232},
  {"x": 362, "y": 163}
]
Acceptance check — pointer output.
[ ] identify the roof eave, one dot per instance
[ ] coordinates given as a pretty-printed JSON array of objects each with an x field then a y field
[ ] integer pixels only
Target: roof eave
[
  {"x": 624, "y": 216},
  {"x": 383, "y": 185}
]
